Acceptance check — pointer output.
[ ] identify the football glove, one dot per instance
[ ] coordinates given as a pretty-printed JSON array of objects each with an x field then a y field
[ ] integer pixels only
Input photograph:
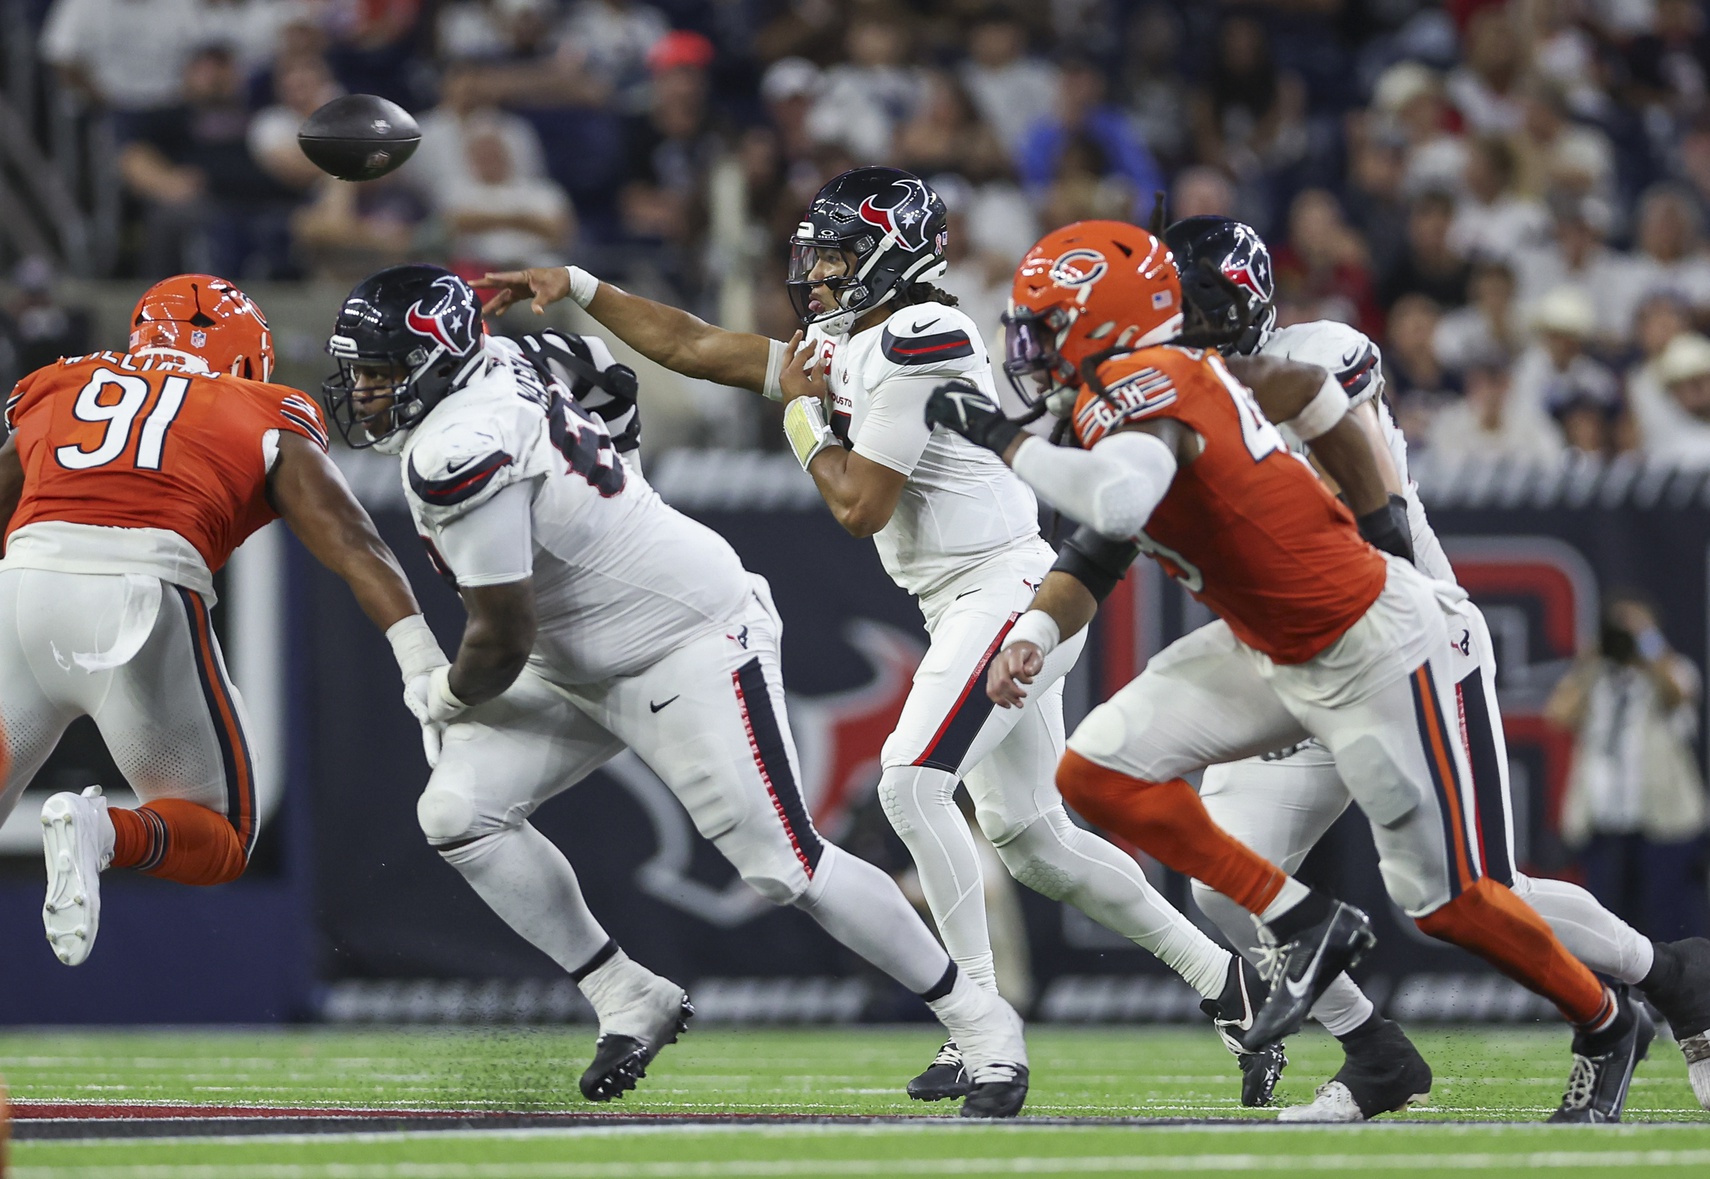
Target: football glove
[
  {"x": 960, "y": 407},
  {"x": 431, "y": 701},
  {"x": 1386, "y": 529}
]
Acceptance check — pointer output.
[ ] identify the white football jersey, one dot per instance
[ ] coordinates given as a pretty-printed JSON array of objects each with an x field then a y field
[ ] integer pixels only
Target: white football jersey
[
  {"x": 620, "y": 578},
  {"x": 1356, "y": 362},
  {"x": 961, "y": 504}
]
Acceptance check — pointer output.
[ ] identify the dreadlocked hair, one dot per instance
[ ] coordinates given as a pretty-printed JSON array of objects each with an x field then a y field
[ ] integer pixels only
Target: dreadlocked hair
[{"x": 925, "y": 292}]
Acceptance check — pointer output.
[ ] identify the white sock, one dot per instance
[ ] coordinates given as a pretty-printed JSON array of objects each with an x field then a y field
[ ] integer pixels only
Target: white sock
[
  {"x": 865, "y": 910},
  {"x": 1054, "y": 857},
  {"x": 1591, "y": 933},
  {"x": 1343, "y": 1006},
  {"x": 531, "y": 886},
  {"x": 1291, "y": 894},
  {"x": 920, "y": 805},
  {"x": 612, "y": 984},
  {"x": 985, "y": 1028}
]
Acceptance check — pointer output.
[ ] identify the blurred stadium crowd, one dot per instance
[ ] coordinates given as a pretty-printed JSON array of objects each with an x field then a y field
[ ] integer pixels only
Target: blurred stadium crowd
[{"x": 1510, "y": 195}]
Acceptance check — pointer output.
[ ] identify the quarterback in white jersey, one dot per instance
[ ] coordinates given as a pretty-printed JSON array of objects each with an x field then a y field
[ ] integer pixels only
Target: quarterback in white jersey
[
  {"x": 1283, "y": 803},
  {"x": 956, "y": 528},
  {"x": 600, "y": 619}
]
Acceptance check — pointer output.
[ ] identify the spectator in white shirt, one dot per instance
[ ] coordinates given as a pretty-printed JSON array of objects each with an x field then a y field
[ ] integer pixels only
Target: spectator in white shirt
[
  {"x": 1670, "y": 258},
  {"x": 302, "y": 83},
  {"x": 1489, "y": 425},
  {"x": 124, "y": 54},
  {"x": 1679, "y": 429},
  {"x": 1656, "y": 415},
  {"x": 442, "y": 160},
  {"x": 1011, "y": 90},
  {"x": 499, "y": 219},
  {"x": 1492, "y": 219},
  {"x": 864, "y": 98},
  {"x": 1557, "y": 376},
  {"x": 1486, "y": 88},
  {"x": 1575, "y": 255},
  {"x": 1487, "y": 323}
]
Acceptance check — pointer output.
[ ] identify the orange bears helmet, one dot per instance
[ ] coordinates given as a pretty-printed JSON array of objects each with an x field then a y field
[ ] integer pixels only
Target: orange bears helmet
[
  {"x": 207, "y": 317},
  {"x": 1090, "y": 288}
]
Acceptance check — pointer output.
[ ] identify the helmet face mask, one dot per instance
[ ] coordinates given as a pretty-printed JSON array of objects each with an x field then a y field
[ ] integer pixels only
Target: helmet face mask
[
  {"x": 891, "y": 230},
  {"x": 404, "y": 340},
  {"x": 1036, "y": 370}
]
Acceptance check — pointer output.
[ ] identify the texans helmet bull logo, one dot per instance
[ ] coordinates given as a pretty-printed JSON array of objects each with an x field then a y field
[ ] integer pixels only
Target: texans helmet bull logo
[
  {"x": 452, "y": 319},
  {"x": 904, "y": 217}
]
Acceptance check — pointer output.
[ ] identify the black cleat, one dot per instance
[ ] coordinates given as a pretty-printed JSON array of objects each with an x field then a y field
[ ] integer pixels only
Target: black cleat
[
  {"x": 1232, "y": 1013},
  {"x": 945, "y": 1077},
  {"x": 998, "y": 1097},
  {"x": 1603, "y": 1064},
  {"x": 1304, "y": 966},
  {"x": 1383, "y": 1073},
  {"x": 1679, "y": 987},
  {"x": 621, "y": 1061}
]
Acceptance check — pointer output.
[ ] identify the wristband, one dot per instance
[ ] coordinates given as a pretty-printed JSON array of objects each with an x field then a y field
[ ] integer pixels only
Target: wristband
[
  {"x": 442, "y": 703},
  {"x": 1321, "y": 414},
  {"x": 414, "y": 647},
  {"x": 772, "y": 389},
  {"x": 583, "y": 286},
  {"x": 805, "y": 428},
  {"x": 1036, "y": 627}
]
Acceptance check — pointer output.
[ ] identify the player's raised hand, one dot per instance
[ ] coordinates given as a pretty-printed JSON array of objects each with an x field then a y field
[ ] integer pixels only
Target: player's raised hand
[
  {"x": 1012, "y": 667},
  {"x": 545, "y": 285},
  {"x": 800, "y": 377},
  {"x": 961, "y": 407}
]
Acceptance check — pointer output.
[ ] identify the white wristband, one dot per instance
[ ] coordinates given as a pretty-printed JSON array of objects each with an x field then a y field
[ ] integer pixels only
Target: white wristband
[
  {"x": 583, "y": 286},
  {"x": 776, "y": 353},
  {"x": 1327, "y": 407},
  {"x": 414, "y": 647},
  {"x": 805, "y": 428},
  {"x": 443, "y": 706},
  {"x": 1036, "y": 627}
]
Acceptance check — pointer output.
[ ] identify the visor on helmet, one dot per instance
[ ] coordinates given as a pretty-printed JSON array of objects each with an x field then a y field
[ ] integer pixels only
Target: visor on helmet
[{"x": 1031, "y": 361}]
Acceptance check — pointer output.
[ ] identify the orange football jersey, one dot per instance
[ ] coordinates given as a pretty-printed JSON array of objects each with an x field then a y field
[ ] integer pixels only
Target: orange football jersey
[
  {"x": 138, "y": 442},
  {"x": 1246, "y": 526}
]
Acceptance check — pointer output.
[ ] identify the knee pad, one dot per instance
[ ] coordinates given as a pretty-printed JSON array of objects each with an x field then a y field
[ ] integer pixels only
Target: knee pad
[
  {"x": 778, "y": 890},
  {"x": 445, "y": 815},
  {"x": 1030, "y": 862},
  {"x": 902, "y": 793}
]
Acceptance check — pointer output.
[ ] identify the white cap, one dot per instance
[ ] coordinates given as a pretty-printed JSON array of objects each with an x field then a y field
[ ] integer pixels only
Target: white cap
[
  {"x": 1567, "y": 310},
  {"x": 789, "y": 77},
  {"x": 1684, "y": 357},
  {"x": 1400, "y": 84}
]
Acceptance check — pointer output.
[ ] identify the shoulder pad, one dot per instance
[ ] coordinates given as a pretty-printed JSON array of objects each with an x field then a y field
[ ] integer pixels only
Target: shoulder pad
[
  {"x": 927, "y": 334},
  {"x": 454, "y": 468},
  {"x": 463, "y": 453},
  {"x": 1345, "y": 351}
]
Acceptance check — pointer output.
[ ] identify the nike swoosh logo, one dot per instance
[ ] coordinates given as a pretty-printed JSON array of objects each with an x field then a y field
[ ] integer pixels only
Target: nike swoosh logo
[
  {"x": 657, "y": 707},
  {"x": 921, "y": 327},
  {"x": 964, "y": 594},
  {"x": 459, "y": 465},
  {"x": 1350, "y": 356},
  {"x": 1297, "y": 990}
]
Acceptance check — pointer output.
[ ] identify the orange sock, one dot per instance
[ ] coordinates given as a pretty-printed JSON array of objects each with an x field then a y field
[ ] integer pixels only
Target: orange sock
[
  {"x": 177, "y": 840},
  {"x": 1490, "y": 921},
  {"x": 1168, "y": 821}
]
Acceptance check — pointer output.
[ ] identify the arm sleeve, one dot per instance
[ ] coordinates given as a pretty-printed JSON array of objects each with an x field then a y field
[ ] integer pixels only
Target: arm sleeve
[
  {"x": 1112, "y": 488},
  {"x": 894, "y": 431},
  {"x": 493, "y": 542}
]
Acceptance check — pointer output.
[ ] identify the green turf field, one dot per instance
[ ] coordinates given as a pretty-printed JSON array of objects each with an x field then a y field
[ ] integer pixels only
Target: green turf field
[{"x": 1483, "y": 1075}]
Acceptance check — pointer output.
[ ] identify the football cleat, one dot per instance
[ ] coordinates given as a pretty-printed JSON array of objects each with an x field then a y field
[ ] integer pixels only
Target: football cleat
[
  {"x": 1603, "y": 1064},
  {"x": 945, "y": 1077},
  {"x": 1684, "y": 1001},
  {"x": 1383, "y": 1073},
  {"x": 1299, "y": 970},
  {"x": 621, "y": 1059},
  {"x": 1232, "y": 1013},
  {"x": 77, "y": 840},
  {"x": 1000, "y": 1092}
]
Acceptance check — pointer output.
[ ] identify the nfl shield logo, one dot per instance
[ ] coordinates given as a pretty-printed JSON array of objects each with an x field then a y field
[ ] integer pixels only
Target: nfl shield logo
[{"x": 198, "y": 338}]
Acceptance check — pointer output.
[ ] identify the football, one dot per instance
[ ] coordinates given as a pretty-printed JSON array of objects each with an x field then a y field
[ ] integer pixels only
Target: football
[{"x": 359, "y": 137}]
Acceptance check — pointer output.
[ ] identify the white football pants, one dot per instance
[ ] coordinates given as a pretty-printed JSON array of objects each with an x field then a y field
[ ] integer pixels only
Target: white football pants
[{"x": 951, "y": 731}]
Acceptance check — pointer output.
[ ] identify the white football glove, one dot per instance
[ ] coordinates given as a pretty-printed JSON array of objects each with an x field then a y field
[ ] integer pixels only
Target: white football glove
[{"x": 419, "y": 658}]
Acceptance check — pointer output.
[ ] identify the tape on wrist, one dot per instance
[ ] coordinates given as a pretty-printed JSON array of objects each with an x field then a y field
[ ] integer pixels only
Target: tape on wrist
[
  {"x": 777, "y": 352},
  {"x": 805, "y": 428},
  {"x": 443, "y": 704},
  {"x": 1321, "y": 414},
  {"x": 583, "y": 286},
  {"x": 414, "y": 647},
  {"x": 1036, "y": 627}
]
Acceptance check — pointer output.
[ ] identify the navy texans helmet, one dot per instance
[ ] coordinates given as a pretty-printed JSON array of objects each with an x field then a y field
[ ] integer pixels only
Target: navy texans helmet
[
  {"x": 420, "y": 327},
  {"x": 893, "y": 225},
  {"x": 1241, "y": 256}
]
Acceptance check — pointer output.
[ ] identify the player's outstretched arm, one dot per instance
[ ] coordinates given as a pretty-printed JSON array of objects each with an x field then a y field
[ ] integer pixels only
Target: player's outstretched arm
[
  {"x": 1063, "y": 605},
  {"x": 11, "y": 483},
  {"x": 308, "y": 491},
  {"x": 665, "y": 335}
]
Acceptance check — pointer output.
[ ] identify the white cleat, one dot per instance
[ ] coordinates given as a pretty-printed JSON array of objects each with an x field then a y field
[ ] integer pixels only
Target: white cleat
[
  {"x": 1335, "y": 1103},
  {"x": 77, "y": 837}
]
